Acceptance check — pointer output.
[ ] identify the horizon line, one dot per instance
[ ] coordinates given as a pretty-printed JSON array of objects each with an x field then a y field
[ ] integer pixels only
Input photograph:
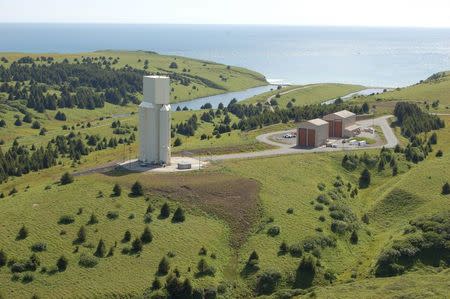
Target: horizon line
[{"x": 222, "y": 24}]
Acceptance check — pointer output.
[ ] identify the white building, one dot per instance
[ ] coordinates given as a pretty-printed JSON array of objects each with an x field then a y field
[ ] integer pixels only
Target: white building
[{"x": 154, "y": 121}]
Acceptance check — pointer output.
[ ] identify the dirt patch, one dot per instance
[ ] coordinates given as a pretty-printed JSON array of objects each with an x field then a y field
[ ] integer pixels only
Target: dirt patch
[{"x": 230, "y": 198}]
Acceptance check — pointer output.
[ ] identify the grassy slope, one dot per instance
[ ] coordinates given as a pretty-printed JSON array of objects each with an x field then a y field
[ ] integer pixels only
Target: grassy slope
[
  {"x": 308, "y": 94},
  {"x": 425, "y": 91},
  {"x": 120, "y": 274},
  {"x": 237, "y": 78},
  {"x": 291, "y": 182}
]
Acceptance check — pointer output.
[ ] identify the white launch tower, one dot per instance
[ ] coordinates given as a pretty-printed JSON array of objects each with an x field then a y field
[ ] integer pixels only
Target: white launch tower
[{"x": 154, "y": 121}]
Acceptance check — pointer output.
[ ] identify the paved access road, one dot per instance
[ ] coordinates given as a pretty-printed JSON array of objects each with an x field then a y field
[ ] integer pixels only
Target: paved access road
[{"x": 286, "y": 149}]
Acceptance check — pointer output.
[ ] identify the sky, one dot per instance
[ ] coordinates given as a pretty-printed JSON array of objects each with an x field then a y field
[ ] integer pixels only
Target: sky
[{"x": 386, "y": 13}]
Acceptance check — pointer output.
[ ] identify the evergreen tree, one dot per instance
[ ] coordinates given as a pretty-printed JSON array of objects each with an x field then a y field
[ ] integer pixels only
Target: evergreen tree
[
  {"x": 186, "y": 289},
  {"x": 165, "y": 211},
  {"x": 81, "y": 235},
  {"x": 178, "y": 216},
  {"x": 136, "y": 245},
  {"x": 3, "y": 258},
  {"x": 446, "y": 188},
  {"x": 101, "y": 249},
  {"x": 156, "y": 284},
  {"x": 364, "y": 179},
  {"x": 146, "y": 236},
  {"x": 126, "y": 237},
  {"x": 136, "y": 189},
  {"x": 93, "y": 219},
  {"x": 117, "y": 190},
  {"x": 23, "y": 233},
  {"x": 177, "y": 142},
  {"x": 66, "y": 178},
  {"x": 62, "y": 263},
  {"x": 354, "y": 237},
  {"x": 164, "y": 266}
]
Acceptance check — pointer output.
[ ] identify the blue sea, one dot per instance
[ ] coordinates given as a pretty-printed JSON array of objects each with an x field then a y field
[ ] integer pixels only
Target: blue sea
[{"x": 387, "y": 57}]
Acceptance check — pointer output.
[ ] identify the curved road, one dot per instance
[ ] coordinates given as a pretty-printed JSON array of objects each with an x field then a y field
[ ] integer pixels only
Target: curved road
[{"x": 286, "y": 149}]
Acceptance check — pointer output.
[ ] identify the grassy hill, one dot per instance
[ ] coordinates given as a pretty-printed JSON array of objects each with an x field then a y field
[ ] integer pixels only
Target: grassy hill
[
  {"x": 434, "y": 88},
  {"x": 229, "y": 230},
  {"x": 222, "y": 78},
  {"x": 305, "y": 95}
]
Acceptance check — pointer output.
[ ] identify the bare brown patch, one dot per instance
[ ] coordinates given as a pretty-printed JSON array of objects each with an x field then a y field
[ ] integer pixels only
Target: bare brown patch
[{"x": 230, "y": 198}]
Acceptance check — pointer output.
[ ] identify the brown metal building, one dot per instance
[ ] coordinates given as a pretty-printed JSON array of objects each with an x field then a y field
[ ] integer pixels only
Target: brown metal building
[
  {"x": 338, "y": 121},
  {"x": 312, "y": 133}
]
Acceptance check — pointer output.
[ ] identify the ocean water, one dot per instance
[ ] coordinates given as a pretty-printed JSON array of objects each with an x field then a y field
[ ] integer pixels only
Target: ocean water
[{"x": 387, "y": 57}]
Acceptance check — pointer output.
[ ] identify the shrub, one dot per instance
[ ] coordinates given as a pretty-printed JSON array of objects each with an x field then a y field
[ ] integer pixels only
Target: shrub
[
  {"x": 35, "y": 125},
  {"x": 322, "y": 218},
  {"x": 146, "y": 236},
  {"x": 446, "y": 189},
  {"x": 3, "y": 258},
  {"x": 273, "y": 231},
  {"x": 354, "y": 237},
  {"x": 173, "y": 65},
  {"x": 198, "y": 293},
  {"x": 117, "y": 190},
  {"x": 267, "y": 282},
  {"x": 318, "y": 207},
  {"x": 177, "y": 142},
  {"x": 126, "y": 237},
  {"x": 62, "y": 263},
  {"x": 87, "y": 261},
  {"x": 296, "y": 250},
  {"x": 165, "y": 211},
  {"x": 178, "y": 216},
  {"x": 253, "y": 261},
  {"x": 39, "y": 247},
  {"x": 290, "y": 211},
  {"x": 439, "y": 153},
  {"x": 163, "y": 266},
  {"x": 23, "y": 233},
  {"x": 101, "y": 249},
  {"x": 27, "y": 278},
  {"x": 205, "y": 269},
  {"x": 66, "y": 219},
  {"x": 284, "y": 248},
  {"x": 203, "y": 251},
  {"x": 66, "y": 178},
  {"x": 112, "y": 215},
  {"x": 156, "y": 284},
  {"x": 136, "y": 189},
  {"x": 147, "y": 218}
]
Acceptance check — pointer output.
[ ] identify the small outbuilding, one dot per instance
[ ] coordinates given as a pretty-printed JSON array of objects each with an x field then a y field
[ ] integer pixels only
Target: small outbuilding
[
  {"x": 312, "y": 133},
  {"x": 339, "y": 121}
]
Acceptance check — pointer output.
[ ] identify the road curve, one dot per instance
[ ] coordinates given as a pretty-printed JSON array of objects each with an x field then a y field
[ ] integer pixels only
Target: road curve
[{"x": 285, "y": 149}]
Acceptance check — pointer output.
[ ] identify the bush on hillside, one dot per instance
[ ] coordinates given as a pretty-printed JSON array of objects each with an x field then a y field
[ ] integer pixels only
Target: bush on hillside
[
  {"x": 66, "y": 178},
  {"x": 87, "y": 261},
  {"x": 178, "y": 216},
  {"x": 23, "y": 233},
  {"x": 267, "y": 282},
  {"x": 163, "y": 266},
  {"x": 364, "y": 179},
  {"x": 136, "y": 189},
  {"x": 165, "y": 211},
  {"x": 117, "y": 190},
  {"x": 446, "y": 188},
  {"x": 66, "y": 219},
  {"x": 62, "y": 263}
]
